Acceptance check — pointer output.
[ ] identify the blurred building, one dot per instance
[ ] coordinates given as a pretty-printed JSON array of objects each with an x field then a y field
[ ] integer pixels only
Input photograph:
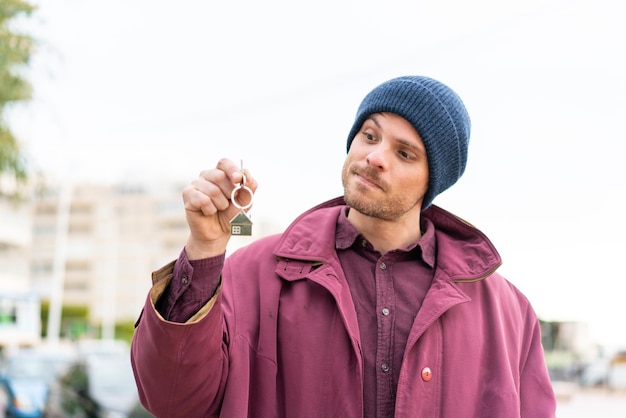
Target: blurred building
[
  {"x": 19, "y": 306},
  {"x": 15, "y": 240},
  {"x": 93, "y": 246},
  {"x": 115, "y": 236}
]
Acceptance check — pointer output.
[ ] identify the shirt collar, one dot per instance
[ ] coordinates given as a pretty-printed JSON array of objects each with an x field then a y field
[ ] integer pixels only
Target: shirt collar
[{"x": 425, "y": 247}]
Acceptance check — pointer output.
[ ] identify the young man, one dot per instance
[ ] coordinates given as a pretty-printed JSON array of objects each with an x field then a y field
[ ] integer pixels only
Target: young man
[{"x": 375, "y": 304}]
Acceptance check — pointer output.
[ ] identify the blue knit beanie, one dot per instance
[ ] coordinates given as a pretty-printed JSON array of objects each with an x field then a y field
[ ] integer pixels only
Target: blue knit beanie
[{"x": 439, "y": 117}]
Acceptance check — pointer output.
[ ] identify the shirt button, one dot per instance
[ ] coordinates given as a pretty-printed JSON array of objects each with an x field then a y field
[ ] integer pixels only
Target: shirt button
[
  {"x": 184, "y": 279},
  {"x": 427, "y": 374},
  {"x": 385, "y": 311},
  {"x": 383, "y": 266},
  {"x": 385, "y": 367}
]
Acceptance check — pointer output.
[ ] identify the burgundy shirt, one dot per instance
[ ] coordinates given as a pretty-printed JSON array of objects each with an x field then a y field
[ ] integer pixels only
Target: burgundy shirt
[{"x": 387, "y": 291}]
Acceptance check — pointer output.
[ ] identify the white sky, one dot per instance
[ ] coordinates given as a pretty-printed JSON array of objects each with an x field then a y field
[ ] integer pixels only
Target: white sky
[{"x": 158, "y": 90}]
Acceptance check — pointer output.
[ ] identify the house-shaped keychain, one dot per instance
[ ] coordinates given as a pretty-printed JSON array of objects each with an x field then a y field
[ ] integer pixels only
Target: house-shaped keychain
[{"x": 241, "y": 225}]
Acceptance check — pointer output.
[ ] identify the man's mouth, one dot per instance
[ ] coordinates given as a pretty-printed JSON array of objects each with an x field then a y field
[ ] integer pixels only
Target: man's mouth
[{"x": 368, "y": 179}]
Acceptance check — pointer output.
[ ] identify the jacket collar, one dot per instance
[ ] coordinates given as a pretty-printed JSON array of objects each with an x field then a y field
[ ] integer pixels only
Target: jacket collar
[{"x": 463, "y": 252}]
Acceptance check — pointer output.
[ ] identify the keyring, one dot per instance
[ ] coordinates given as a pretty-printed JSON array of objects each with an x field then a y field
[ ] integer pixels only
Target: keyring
[
  {"x": 241, "y": 186},
  {"x": 241, "y": 223}
]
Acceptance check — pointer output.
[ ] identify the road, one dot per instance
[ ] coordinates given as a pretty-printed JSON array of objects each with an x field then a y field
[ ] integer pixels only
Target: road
[{"x": 591, "y": 403}]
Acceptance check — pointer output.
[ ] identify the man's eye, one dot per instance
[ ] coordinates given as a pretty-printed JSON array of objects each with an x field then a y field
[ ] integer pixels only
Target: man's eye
[{"x": 406, "y": 155}]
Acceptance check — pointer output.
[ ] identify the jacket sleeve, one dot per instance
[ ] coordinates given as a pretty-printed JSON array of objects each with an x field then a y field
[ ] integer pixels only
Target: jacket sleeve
[
  {"x": 537, "y": 396},
  {"x": 180, "y": 369},
  {"x": 192, "y": 285}
]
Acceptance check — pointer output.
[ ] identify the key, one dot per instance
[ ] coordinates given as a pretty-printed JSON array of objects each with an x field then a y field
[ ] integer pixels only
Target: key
[{"x": 241, "y": 224}]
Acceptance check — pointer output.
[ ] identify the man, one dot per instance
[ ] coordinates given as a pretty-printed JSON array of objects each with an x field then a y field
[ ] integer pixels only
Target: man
[{"x": 376, "y": 304}]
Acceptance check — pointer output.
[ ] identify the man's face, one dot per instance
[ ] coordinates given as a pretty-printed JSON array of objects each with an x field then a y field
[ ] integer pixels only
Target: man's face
[{"x": 385, "y": 175}]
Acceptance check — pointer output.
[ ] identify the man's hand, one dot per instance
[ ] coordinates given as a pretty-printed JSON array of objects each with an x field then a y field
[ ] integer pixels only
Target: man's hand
[{"x": 209, "y": 208}]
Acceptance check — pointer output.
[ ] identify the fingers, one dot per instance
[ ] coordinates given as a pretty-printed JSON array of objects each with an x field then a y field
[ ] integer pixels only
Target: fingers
[
  {"x": 237, "y": 178},
  {"x": 211, "y": 191},
  {"x": 234, "y": 173},
  {"x": 201, "y": 196}
]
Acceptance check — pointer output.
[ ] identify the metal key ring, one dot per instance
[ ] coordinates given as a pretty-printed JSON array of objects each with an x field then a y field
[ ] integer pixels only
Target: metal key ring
[{"x": 235, "y": 190}]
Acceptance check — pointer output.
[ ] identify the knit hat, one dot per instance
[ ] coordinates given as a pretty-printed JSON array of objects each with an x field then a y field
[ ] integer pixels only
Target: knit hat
[{"x": 439, "y": 117}]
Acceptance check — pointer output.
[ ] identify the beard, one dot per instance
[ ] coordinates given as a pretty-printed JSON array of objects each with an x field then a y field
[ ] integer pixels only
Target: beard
[{"x": 383, "y": 204}]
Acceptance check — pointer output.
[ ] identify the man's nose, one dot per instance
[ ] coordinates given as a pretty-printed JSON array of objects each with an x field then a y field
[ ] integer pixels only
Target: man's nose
[{"x": 378, "y": 157}]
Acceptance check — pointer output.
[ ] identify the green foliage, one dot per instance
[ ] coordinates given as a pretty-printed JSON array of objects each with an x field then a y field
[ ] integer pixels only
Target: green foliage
[
  {"x": 74, "y": 320},
  {"x": 15, "y": 53},
  {"x": 124, "y": 331},
  {"x": 75, "y": 323},
  {"x": 11, "y": 161}
]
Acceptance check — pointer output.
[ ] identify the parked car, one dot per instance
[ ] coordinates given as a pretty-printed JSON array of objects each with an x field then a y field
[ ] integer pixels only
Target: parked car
[
  {"x": 595, "y": 373},
  {"x": 99, "y": 385},
  {"x": 617, "y": 372},
  {"x": 25, "y": 379}
]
